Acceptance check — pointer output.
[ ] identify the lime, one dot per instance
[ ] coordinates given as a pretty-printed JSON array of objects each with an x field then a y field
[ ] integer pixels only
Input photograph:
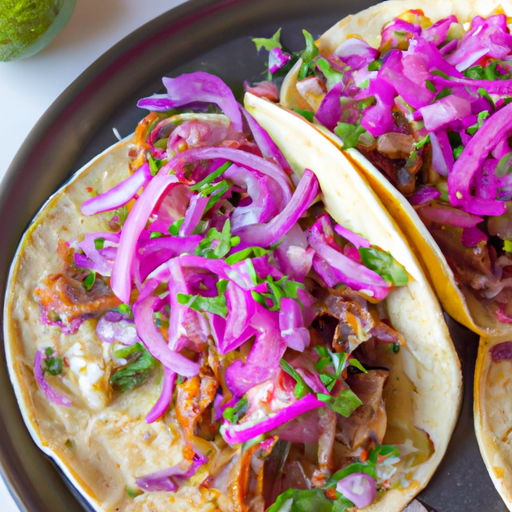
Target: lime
[{"x": 27, "y": 26}]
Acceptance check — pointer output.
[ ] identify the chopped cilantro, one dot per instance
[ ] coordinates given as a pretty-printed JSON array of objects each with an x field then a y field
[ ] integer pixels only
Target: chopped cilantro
[
  {"x": 211, "y": 177},
  {"x": 332, "y": 77},
  {"x": 311, "y": 51},
  {"x": 136, "y": 372},
  {"x": 357, "y": 364},
  {"x": 490, "y": 71},
  {"x": 504, "y": 166},
  {"x": 375, "y": 65},
  {"x": 215, "y": 192},
  {"x": 457, "y": 152},
  {"x": 349, "y": 134},
  {"x": 475, "y": 73},
  {"x": 430, "y": 86},
  {"x": 445, "y": 91},
  {"x": 422, "y": 142},
  {"x": 301, "y": 388},
  {"x": 296, "y": 500},
  {"x": 124, "y": 309},
  {"x": 384, "y": 264},
  {"x": 89, "y": 280},
  {"x": 99, "y": 243},
  {"x": 268, "y": 43},
  {"x": 481, "y": 116},
  {"x": 233, "y": 414},
  {"x": 307, "y": 56},
  {"x": 437, "y": 72},
  {"x": 277, "y": 290},
  {"x": 52, "y": 364},
  {"x": 217, "y": 244},
  {"x": 306, "y": 114},
  {"x": 484, "y": 94},
  {"x": 346, "y": 403},
  {"x": 251, "y": 270},
  {"x": 154, "y": 164},
  {"x": 216, "y": 305},
  {"x": 174, "y": 228},
  {"x": 250, "y": 252}
]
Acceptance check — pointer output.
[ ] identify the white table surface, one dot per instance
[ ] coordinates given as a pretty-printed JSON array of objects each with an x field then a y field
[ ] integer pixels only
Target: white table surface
[{"x": 28, "y": 87}]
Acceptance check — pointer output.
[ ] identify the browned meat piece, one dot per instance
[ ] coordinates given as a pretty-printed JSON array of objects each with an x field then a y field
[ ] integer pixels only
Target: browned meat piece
[
  {"x": 395, "y": 145},
  {"x": 394, "y": 158},
  {"x": 385, "y": 164},
  {"x": 368, "y": 422},
  {"x": 326, "y": 439},
  {"x": 501, "y": 226},
  {"x": 466, "y": 262},
  {"x": 66, "y": 299},
  {"x": 346, "y": 324},
  {"x": 194, "y": 396},
  {"x": 386, "y": 334}
]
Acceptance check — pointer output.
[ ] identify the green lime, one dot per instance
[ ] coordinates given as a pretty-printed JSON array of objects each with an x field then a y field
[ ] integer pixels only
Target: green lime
[{"x": 27, "y": 26}]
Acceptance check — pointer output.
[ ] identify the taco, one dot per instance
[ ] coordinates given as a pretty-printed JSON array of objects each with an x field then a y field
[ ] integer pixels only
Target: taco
[
  {"x": 195, "y": 322},
  {"x": 417, "y": 95},
  {"x": 493, "y": 412}
]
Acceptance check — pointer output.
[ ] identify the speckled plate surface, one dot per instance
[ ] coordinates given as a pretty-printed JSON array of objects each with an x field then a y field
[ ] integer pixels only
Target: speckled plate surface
[{"x": 198, "y": 35}]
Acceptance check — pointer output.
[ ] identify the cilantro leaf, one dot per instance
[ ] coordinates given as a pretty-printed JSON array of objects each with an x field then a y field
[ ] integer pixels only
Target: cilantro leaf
[
  {"x": 306, "y": 114},
  {"x": 357, "y": 364},
  {"x": 124, "y": 309},
  {"x": 250, "y": 252},
  {"x": 342, "y": 504},
  {"x": 307, "y": 56},
  {"x": 346, "y": 403},
  {"x": 154, "y": 164},
  {"x": 310, "y": 500},
  {"x": 277, "y": 290},
  {"x": 233, "y": 414},
  {"x": 301, "y": 388},
  {"x": 174, "y": 228},
  {"x": 457, "y": 152},
  {"x": 484, "y": 94},
  {"x": 136, "y": 372},
  {"x": 445, "y": 91},
  {"x": 89, "y": 280},
  {"x": 349, "y": 134},
  {"x": 430, "y": 86},
  {"x": 356, "y": 467},
  {"x": 99, "y": 243},
  {"x": 481, "y": 116},
  {"x": 52, "y": 364},
  {"x": 333, "y": 77},
  {"x": 211, "y": 177},
  {"x": 375, "y": 65},
  {"x": 216, "y": 305},
  {"x": 268, "y": 43},
  {"x": 217, "y": 244},
  {"x": 311, "y": 51},
  {"x": 385, "y": 265},
  {"x": 422, "y": 142}
]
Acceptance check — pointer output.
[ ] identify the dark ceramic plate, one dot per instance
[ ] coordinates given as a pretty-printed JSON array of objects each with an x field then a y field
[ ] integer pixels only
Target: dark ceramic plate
[{"x": 199, "y": 35}]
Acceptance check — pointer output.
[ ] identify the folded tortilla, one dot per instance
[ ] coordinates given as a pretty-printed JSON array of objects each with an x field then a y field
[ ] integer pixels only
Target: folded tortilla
[
  {"x": 102, "y": 449},
  {"x": 458, "y": 301},
  {"x": 492, "y": 389}
]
